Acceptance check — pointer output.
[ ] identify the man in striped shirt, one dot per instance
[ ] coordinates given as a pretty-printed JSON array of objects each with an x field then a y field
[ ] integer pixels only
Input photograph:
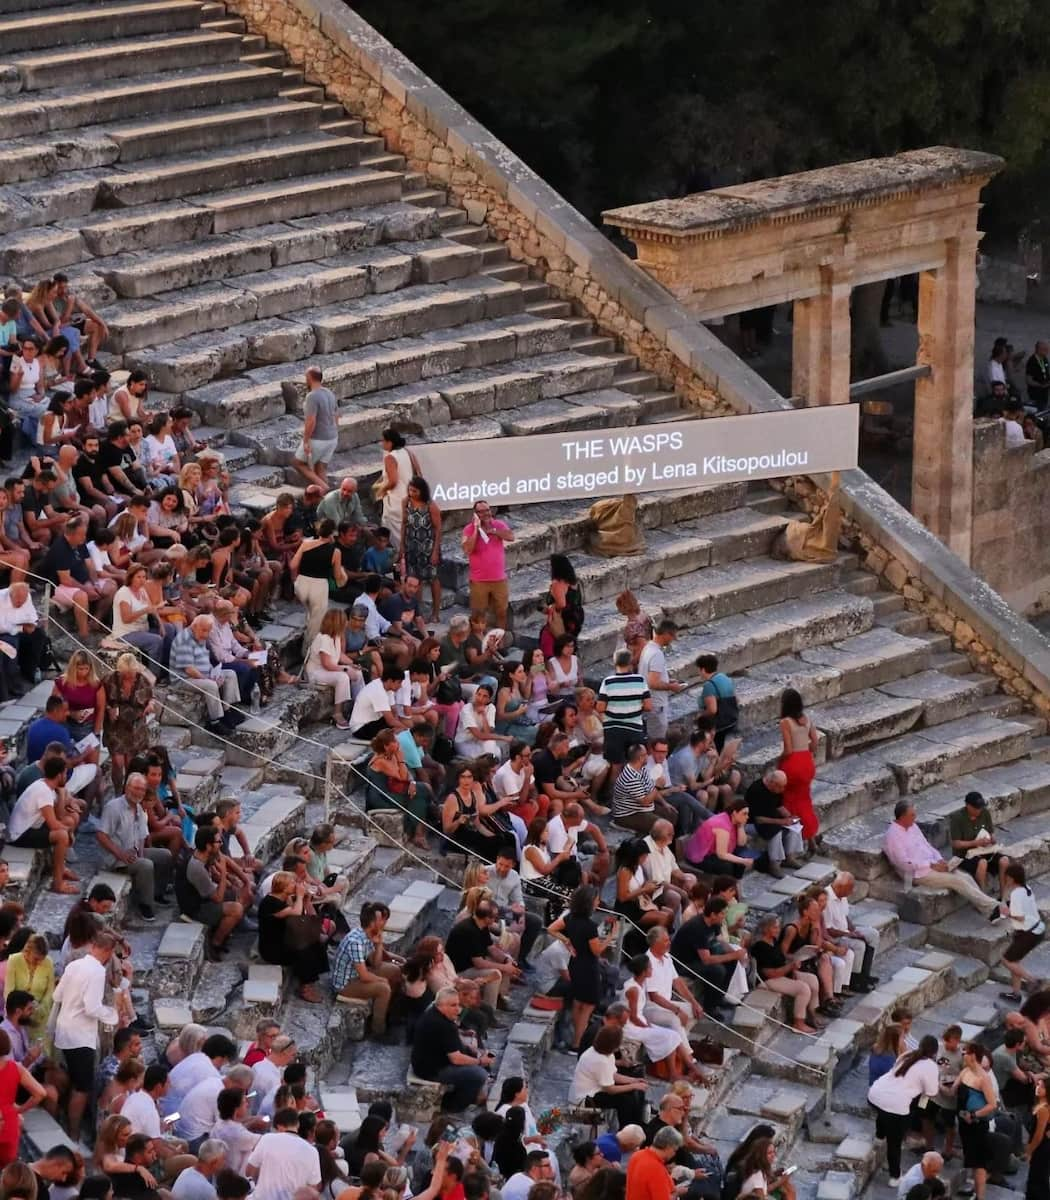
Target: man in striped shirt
[{"x": 623, "y": 701}]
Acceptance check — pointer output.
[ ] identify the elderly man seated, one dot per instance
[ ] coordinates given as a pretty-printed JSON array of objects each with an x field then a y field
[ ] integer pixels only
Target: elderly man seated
[
  {"x": 438, "y": 1053},
  {"x": 191, "y": 662},
  {"x": 122, "y": 834},
  {"x": 20, "y": 630},
  {"x": 915, "y": 860}
]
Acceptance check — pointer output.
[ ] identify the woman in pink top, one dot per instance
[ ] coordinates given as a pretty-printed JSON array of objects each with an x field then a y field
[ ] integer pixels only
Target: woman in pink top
[{"x": 719, "y": 844}]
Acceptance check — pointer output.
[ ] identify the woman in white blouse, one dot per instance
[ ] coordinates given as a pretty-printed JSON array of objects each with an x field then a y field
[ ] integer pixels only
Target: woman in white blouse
[
  {"x": 563, "y": 670},
  {"x": 476, "y": 733},
  {"x": 328, "y": 663}
]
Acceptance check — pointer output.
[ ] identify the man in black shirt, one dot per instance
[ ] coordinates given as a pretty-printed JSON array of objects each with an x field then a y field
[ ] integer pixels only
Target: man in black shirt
[
  {"x": 1037, "y": 376},
  {"x": 91, "y": 478},
  {"x": 76, "y": 581},
  {"x": 781, "y": 831},
  {"x": 549, "y": 772},
  {"x": 351, "y": 546},
  {"x": 57, "y": 1168},
  {"x": 117, "y": 460},
  {"x": 698, "y": 947},
  {"x": 438, "y": 1053},
  {"x": 140, "y": 1152},
  {"x": 472, "y": 951}
]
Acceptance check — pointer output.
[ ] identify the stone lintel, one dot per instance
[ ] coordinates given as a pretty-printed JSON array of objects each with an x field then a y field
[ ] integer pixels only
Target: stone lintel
[{"x": 804, "y": 196}]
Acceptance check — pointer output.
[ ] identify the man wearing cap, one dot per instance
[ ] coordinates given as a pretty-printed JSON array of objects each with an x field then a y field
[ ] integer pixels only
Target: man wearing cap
[{"x": 970, "y": 830}]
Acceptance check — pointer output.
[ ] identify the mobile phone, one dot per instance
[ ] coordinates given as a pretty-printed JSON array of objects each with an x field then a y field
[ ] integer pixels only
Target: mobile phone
[
  {"x": 251, "y": 1095},
  {"x": 449, "y": 1134},
  {"x": 171, "y": 1118},
  {"x": 789, "y": 1170}
]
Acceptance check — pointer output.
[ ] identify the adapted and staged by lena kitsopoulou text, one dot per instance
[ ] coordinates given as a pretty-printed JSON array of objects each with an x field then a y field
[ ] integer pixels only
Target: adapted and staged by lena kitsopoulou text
[{"x": 589, "y": 463}]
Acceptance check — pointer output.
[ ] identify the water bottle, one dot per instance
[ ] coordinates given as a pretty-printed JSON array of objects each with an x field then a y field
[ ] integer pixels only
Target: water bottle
[{"x": 256, "y": 698}]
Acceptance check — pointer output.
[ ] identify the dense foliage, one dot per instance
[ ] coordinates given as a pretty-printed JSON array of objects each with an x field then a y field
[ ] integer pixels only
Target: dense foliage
[{"x": 615, "y": 101}]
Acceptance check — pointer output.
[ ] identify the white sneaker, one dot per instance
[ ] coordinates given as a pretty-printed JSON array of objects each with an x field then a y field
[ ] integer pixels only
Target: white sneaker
[{"x": 895, "y": 1182}]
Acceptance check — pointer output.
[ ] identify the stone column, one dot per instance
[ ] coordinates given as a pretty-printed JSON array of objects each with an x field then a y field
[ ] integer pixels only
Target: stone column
[
  {"x": 820, "y": 351},
  {"x": 942, "y": 468}
]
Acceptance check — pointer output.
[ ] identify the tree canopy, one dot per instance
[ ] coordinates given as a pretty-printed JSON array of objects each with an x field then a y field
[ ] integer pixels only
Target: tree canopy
[{"x": 616, "y": 102}]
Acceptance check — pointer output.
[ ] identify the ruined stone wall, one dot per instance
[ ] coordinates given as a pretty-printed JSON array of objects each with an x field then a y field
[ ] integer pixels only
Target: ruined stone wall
[
  {"x": 987, "y": 650},
  {"x": 1011, "y": 517},
  {"x": 388, "y": 111}
]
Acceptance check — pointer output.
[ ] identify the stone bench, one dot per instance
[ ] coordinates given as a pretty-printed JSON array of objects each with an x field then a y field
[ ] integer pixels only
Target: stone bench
[
  {"x": 409, "y": 913},
  {"x": 261, "y": 997},
  {"x": 274, "y": 823},
  {"x": 341, "y": 1105},
  {"x": 358, "y": 1013},
  {"x": 27, "y": 869},
  {"x": 352, "y": 860},
  {"x": 41, "y": 1133},
  {"x": 172, "y": 1014},
  {"x": 179, "y": 959},
  {"x": 421, "y": 1099}
]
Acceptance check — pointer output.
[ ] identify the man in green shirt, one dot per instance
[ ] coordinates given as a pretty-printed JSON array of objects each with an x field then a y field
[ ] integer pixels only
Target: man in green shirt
[
  {"x": 971, "y": 828},
  {"x": 343, "y": 504}
]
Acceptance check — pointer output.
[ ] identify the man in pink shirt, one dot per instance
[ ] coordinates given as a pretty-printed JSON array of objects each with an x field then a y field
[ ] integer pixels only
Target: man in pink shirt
[
  {"x": 910, "y": 853},
  {"x": 484, "y": 542}
]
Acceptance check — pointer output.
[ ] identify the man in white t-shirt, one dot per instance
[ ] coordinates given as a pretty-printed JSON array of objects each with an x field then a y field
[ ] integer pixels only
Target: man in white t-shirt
[
  {"x": 652, "y": 666},
  {"x": 861, "y": 939},
  {"x": 206, "y": 1063},
  {"x": 198, "y": 1110},
  {"x": 566, "y": 829},
  {"x": 141, "y": 1109},
  {"x": 283, "y": 1161},
  {"x": 232, "y": 1127},
  {"x": 33, "y": 823},
  {"x": 373, "y": 709}
]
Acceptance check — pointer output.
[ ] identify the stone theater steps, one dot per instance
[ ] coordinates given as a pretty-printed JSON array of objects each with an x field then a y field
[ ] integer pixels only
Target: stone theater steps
[{"x": 235, "y": 225}]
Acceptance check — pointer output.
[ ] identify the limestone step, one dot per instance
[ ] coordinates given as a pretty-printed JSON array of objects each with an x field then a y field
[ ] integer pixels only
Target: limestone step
[
  {"x": 99, "y": 22},
  {"x": 93, "y": 62},
  {"x": 307, "y": 196},
  {"x": 273, "y": 731},
  {"x": 173, "y": 91},
  {"x": 250, "y": 163},
  {"x": 413, "y": 310},
  {"x": 205, "y": 128},
  {"x": 870, "y": 659},
  {"x": 686, "y": 545}
]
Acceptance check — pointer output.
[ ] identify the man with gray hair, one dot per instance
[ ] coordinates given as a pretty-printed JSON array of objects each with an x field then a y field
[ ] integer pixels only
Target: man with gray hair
[
  {"x": 198, "y": 1108},
  {"x": 196, "y": 1182},
  {"x": 438, "y": 1053},
  {"x": 648, "y": 1177},
  {"x": 921, "y": 865},
  {"x": 861, "y": 939},
  {"x": 771, "y": 821},
  {"x": 122, "y": 833},
  {"x": 928, "y": 1168},
  {"x": 191, "y": 662}
]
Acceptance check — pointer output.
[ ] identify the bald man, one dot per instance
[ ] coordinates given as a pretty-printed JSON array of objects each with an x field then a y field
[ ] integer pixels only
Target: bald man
[
  {"x": 864, "y": 942},
  {"x": 772, "y": 822}
]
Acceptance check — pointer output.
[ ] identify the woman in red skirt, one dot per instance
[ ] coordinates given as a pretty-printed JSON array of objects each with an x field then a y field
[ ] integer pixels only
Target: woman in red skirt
[{"x": 800, "y": 740}]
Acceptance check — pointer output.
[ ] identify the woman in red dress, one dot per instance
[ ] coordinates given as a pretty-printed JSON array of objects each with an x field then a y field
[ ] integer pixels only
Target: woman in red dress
[
  {"x": 800, "y": 740},
  {"x": 12, "y": 1076}
]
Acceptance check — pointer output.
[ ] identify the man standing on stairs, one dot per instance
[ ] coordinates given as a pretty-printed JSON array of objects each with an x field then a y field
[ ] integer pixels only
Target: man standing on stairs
[
  {"x": 863, "y": 941},
  {"x": 320, "y": 432},
  {"x": 652, "y": 666},
  {"x": 484, "y": 544},
  {"x": 914, "y": 859}
]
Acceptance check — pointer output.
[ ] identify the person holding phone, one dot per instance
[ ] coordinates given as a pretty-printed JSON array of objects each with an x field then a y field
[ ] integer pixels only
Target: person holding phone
[
  {"x": 760, "y": 1174},
  {"x": 484, "y": 542}
]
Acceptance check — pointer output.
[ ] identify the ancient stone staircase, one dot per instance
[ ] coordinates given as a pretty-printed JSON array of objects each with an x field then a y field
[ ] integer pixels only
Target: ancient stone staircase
[{"x": 233, "y": 225}]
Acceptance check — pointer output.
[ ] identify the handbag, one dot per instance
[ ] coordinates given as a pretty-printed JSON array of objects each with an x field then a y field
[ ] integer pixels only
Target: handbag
[
  {"x": 706, "y": 1050},
  {"x": 303, "y": 931},
  {"x": 556, "y": 623}
]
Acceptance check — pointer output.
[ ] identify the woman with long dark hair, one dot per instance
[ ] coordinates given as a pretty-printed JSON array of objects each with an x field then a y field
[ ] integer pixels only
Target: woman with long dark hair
[
  {"x": 800, "y": 740},
  {"x": 563, "y": 604},
  {"x": 891, "y": 1095},
  {"x": 421, "y": 540},
  {"x": 508, "y": 1151}
]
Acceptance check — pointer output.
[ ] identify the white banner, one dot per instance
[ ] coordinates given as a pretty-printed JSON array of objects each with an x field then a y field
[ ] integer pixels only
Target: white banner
[{"x": 644, "y": 458}]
